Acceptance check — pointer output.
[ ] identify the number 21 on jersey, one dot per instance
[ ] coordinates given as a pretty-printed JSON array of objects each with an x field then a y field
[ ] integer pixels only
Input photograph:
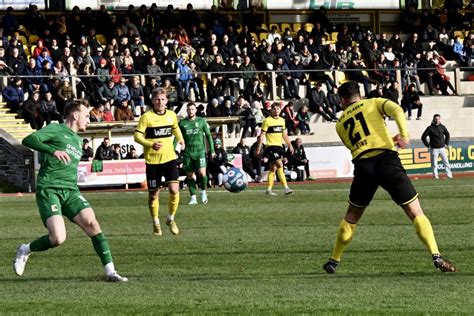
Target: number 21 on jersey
[{"x": 354, "y": 130}]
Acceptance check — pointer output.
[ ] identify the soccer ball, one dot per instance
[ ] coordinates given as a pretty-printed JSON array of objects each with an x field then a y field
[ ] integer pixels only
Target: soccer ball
[{"x": 235, "y": 180}]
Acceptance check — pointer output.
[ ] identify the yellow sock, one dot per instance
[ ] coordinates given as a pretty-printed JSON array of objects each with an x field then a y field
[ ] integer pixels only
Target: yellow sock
[
  {"x": 281, "y": 176},
  {"x": 271, "y": 179},
  {"x": 173, "y": 203},
  {"x": 425, "y": 233},
  {"x": 344, "y": 237},
  {"x": 154, "y": 207}
]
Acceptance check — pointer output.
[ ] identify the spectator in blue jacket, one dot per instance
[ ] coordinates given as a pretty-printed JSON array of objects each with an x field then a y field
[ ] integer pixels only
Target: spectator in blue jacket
[
  {"x": 185, "y": 78},
  {"x": 14, "y": 95},
  {"x": 122, "y": 92},
  {"x": 458, "y": 49}
]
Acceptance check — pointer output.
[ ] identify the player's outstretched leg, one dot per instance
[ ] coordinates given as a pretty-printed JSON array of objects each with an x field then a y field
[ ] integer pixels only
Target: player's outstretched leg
[{"x": 24, "y": 251}]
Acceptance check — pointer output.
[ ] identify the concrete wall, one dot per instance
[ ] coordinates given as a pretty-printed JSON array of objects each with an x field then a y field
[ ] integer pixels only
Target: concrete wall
[{"x": 16, "y": 163}]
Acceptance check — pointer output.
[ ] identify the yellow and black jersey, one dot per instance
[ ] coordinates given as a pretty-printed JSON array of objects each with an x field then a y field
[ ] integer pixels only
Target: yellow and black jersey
[
  {"x": 153, "y": 127},
  {"x": 273, "y": 128},
  {"x": 362, "y": 127}
]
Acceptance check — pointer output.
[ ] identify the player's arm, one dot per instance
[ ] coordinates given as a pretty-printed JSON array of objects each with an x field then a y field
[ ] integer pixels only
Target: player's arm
[
  {"x": 447, "y": 136},
  {"x": 390, "y": 108},
  {"x": 34, "y": 142},
  {"x": 210, "y": 142},
  {"x": 424, "y": 137},
  {"x": 139, "y": 134},
  {"x": 262, "y": 136},
  {"x": 39, "y": 141},
  {"x": 177, "y": 133},
  {"x": 287, "y": 141}
]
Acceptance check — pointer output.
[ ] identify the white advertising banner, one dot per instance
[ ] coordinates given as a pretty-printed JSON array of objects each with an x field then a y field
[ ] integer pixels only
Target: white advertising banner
[
  {"x": 330, "y": 162},
  {"x": 20, "y": 4},
  {"x": 332, "y": 4},
  {"x": 123, "y": 4}
]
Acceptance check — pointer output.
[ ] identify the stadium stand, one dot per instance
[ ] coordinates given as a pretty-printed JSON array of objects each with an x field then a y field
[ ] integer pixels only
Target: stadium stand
[{"x": 131, "y": 39}]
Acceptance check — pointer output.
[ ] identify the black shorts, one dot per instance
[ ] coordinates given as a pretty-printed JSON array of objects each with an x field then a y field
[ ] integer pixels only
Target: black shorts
[
  {"x": 155, "y": 174},
  {"x": 274, "y": 153},
  {"x": 384, "y": 170}
]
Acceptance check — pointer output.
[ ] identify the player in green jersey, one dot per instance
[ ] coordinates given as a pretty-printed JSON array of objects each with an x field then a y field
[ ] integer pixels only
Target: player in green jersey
[
  {"x": 194, "y": 129},
  {"x": 57, "y": 194},
  {"x": 362, "y": 129}
]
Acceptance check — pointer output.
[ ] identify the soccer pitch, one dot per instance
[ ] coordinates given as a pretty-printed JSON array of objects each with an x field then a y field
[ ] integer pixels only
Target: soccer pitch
[{"x": 247, "y": 253}]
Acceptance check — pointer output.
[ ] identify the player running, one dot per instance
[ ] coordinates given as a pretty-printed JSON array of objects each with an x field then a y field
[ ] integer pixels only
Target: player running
[
  {"x": 273, "y": 129},
  {"x": 194, "y": 129},
  {"x": 57, "y": 194},
  {"x": 155, "y": 131},
  {"x": 363, "y": 131}
]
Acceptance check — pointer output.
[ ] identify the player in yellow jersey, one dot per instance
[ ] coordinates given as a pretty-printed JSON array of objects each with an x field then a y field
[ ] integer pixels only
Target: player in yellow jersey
[
  {"x": 274, "y": 131},
  {"x": 155, "y": 131},
  {"x": 362, "y": 130}
]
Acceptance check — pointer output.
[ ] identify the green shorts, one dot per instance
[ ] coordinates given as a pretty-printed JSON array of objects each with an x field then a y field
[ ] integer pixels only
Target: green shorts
[
  {"x": 66, "y": 202},
  {"x": 191, "y": 164}
]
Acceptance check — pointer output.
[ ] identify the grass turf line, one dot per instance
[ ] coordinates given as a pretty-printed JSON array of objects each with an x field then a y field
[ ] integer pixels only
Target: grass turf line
[{"x": 247, "y": 253}]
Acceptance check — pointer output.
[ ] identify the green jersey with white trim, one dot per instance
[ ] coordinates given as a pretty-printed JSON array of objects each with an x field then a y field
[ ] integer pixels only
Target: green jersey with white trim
[
  {"x": 53, "y": 172},
  {"x": 193, "y": 133}
]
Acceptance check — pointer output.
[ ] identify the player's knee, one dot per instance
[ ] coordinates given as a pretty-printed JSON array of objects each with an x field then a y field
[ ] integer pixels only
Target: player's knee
[
  {"x": 57, "y": 240},
  {"x": 93, "y": 226}
]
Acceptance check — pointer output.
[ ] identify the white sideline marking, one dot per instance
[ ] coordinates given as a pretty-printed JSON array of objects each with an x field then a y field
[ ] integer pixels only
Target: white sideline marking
[{"x": 259, "y": 191}]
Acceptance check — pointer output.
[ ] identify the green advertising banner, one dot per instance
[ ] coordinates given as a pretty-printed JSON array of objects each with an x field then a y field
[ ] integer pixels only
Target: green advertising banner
[{"x": 417, "y": 159}]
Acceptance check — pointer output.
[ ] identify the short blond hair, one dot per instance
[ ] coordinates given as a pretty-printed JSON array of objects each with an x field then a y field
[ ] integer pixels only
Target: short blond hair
[{"x": 157, "y": 92}]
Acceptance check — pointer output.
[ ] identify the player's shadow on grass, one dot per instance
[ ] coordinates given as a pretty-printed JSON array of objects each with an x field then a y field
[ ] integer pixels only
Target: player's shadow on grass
[{"x": 80, "y": 279}]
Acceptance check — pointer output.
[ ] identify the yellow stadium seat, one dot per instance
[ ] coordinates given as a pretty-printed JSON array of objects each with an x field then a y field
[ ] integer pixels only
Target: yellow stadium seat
[
  {"x": 284, "y": 26},
  {"x": 254, "y": 35},
  {"x": 308, "y": 27},
  {"x": 101, "y": 39},
  {"x": 264, "y": 27},
  {"x": 460, "y": 33},
  {"x": 145, "y": 48},
  {"x": 32, "y": 49},
  {"x": 263, "y": 36},
  {"x": 334, "y": 36},
  {"x": 33, "y": 39},
  {"x": 22, "y": 39},
  {"x": 296, "y": 27},
  {"x": 341, "y": 77},
  {"x": 27, "y": 50}
]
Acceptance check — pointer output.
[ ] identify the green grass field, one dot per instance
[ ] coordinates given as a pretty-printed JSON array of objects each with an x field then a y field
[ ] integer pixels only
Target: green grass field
[{"x": 247, "y": 253}]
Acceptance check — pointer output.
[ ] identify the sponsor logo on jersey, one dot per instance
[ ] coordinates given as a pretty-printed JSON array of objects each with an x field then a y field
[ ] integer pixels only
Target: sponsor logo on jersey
[
  {"x": 275, "y": 129},
  {"x": 158, "y": 132}
]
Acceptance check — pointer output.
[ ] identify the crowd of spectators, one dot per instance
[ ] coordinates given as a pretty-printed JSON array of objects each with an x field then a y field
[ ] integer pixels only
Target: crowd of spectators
[{"x": 103, "y": 56}]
